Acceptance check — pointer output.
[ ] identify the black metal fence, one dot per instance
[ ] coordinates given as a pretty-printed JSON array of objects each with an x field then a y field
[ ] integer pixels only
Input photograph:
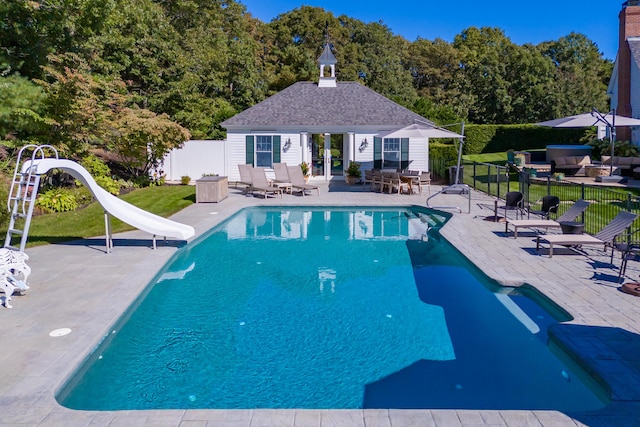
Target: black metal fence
[{"x": 606, "y": 202}]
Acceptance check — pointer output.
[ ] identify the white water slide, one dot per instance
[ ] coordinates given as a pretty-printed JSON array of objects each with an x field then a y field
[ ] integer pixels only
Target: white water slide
[{"x": 126, "y": 212}]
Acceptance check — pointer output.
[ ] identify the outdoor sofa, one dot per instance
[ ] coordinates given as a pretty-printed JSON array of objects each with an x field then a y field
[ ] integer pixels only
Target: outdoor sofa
[
  {"x": 570, "y": 165},
  {"x": 625, "y": 165}
]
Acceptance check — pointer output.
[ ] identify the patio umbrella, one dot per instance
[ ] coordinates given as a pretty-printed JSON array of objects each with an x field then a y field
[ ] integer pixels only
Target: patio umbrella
[
  {"x": 591, "y": 119},
  {"x": 420, "y": 131},
  {"x": 595, "y": 118}
]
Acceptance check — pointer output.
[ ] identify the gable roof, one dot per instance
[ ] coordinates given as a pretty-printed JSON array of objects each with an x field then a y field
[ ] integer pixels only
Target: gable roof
[{"x": 304, "y": 104}]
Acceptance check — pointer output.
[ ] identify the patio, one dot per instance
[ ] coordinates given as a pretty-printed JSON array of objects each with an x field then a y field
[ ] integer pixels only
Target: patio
[{"x": 78, "y": 286}]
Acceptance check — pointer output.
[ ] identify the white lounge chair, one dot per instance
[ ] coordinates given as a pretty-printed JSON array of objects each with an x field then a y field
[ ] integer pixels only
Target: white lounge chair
[
  {"x": 260, "y": 184},
  {"x": 282, "y": 177},
  {"x": 245, "y": 177},
  {"x": 605, "y": 237},
  {"x": 297, "y": 181},
  {"x": 571, "y": 214},
  {"x": 14, "y": 272}
]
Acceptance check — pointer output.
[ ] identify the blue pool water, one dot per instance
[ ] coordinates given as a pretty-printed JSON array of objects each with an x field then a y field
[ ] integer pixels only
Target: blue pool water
[{"x": 329, "y": 308}]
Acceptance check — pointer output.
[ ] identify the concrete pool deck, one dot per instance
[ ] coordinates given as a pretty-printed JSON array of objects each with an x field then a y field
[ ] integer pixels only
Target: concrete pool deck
[{"x": 77, "y": 286}]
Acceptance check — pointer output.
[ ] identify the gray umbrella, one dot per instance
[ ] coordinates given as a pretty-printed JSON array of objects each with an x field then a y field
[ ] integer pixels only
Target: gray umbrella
[
  {"x": 420, "y": 131},
  {"x": 595, "y": 118}
]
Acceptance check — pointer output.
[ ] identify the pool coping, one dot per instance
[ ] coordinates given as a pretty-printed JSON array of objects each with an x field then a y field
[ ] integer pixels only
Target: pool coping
[{"x": 90, "y": 296}]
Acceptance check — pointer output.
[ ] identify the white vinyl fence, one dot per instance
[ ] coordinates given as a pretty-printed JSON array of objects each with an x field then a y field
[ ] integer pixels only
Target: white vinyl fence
[{"x": 195, "y": 159}]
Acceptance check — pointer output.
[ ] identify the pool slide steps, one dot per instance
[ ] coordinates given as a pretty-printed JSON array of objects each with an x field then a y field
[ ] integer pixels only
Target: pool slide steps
[{"x": 24, "y": 189}]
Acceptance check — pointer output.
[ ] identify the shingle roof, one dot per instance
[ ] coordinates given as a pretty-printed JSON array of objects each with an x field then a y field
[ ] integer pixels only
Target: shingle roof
[{"x": 305, "y": 104}]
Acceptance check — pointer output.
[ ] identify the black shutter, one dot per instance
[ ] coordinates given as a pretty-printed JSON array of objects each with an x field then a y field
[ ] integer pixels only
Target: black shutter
[
  {"x": 276, "y": 149},
  {"x": 250, "y": 150},
  {"x": 404, "y": 153},
  {"x": 377, "y": 152}
]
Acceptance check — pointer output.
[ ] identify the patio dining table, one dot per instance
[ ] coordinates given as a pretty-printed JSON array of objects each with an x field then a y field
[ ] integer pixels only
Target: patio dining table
[{"x": 410, "y": 180}]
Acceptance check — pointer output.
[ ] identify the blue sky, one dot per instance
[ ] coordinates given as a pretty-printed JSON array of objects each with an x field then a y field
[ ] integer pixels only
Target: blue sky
[{"x": 522, "y": 21}]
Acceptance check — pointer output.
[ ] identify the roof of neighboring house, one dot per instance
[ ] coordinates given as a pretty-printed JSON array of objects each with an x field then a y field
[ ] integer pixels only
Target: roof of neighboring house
[{"x": 305, "y": 104}]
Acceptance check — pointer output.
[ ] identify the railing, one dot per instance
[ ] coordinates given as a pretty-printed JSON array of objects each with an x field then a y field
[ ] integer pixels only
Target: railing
[{"x": 606, "y": 202}]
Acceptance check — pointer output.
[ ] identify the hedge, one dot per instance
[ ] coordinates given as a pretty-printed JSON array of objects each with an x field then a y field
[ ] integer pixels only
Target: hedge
[{"x": 499, "y": 138}]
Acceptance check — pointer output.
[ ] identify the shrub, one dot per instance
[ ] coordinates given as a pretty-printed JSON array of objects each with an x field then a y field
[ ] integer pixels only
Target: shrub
[
  {"x": 57, "y": 200},
  {"x": 354, "y": 170},
  {"x": 101, "y": 173},
  {"x": 185, "y": 180}
]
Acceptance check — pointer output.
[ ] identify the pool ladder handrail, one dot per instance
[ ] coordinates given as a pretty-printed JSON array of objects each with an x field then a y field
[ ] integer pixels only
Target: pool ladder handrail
[
  {"x": 23, "y": 192},
  {"x": 455, "y": 189}
]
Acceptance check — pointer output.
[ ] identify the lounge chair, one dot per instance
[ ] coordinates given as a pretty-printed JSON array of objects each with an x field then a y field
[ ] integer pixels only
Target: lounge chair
[
  {"x": 571, "y": 214},
  {"x": 605, "y": 237},
  {"x": 260, "y": 184},
  {"x": 297, "y": 180},
  {"x": 14, "y": 272},
  {"x": 282, "y": 176},
  {"x": 245, "y": 177}
]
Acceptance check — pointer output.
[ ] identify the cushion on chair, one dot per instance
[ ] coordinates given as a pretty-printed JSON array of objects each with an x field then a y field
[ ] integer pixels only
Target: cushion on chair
[
  {"x": 583, "y": 160},
  {"x": 561, "y": 161}
]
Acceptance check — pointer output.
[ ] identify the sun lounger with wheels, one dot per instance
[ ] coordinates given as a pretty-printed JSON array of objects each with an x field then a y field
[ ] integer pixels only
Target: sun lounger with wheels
[
  {"x": 260, "y": 184},
  {"x": 297, "y": 181},
  {"x": 605, "y": 237},
  {"x": 571, "y": 214}
]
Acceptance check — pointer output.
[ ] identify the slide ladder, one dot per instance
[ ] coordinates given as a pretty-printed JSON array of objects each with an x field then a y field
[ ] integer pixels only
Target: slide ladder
[{"x": 22, "y": 197}]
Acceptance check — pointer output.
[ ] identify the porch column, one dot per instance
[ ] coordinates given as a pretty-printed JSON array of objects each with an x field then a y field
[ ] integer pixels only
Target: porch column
[
  {"x": 304, "y": 144},
  {"x": 327, "y": 156},
  {"x": 350, "y": 149}
]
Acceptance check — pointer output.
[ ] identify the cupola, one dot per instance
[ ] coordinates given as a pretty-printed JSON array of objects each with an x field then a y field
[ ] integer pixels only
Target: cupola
[{"x": 327, "y": 59}]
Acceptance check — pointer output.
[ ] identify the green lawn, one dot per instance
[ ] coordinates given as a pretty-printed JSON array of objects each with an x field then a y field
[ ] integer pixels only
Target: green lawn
[{"x": 89, "y": 222}]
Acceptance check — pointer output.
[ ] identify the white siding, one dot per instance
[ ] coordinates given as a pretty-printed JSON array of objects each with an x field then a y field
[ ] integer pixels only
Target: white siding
[
  {"x": 635, "y": 100},
  {"x": 195, "y": 159},
  {"x": 237, "y": 151},
  {"x": 364, "y": 157},
  {"x": 418, "y": 154},
  {"x": 236, "y": 145},
  {"x": 237, "y": 154}
]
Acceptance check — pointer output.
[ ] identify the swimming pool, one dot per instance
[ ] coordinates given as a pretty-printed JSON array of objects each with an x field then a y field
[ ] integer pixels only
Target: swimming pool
[{"x": 330, "y": 308}]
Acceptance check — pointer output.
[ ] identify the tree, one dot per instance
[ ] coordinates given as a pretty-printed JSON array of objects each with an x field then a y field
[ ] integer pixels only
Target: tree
[
  {"x": 485, "y": 54},
  {"x": 436, "y": 71},
  {"x": 21, "y": 109},
  {"x": 141, "y": 139},
  {"x": 32, "y": 30},
  {"x": 91, "y": 111},
  {"x": 581, "y": 75},
  {"x": 383, "y": 57}
]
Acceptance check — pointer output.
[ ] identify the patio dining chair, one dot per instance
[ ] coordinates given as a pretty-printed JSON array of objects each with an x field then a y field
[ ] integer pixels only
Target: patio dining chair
[
  {"x": 513, "y": 202},
  {"x": 549, "y": 205},
  {"x": 368, "y": 179},
  {"x": 424, "y": 180}
]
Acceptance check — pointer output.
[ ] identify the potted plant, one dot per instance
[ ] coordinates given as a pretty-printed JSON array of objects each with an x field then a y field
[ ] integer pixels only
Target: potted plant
[
  {"x": 353, "y": 173},
  {"x": 559, "y": 176},
  {"x": 304, "y": 166}
]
